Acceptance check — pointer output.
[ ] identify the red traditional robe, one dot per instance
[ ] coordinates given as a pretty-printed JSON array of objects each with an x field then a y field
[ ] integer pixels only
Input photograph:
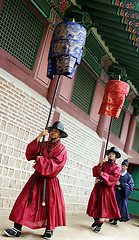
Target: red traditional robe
[
  {"x": 107, "y": 206},
  {"x": 53, "y": 214}
]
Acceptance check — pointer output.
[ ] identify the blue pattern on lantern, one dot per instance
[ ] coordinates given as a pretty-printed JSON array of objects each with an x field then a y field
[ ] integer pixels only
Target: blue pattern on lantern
[{"x": 66, "y": 49}]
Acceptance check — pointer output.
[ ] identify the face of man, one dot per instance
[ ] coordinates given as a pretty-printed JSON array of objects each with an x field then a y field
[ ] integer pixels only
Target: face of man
[
  {"x": 123, "y": 168},
  {"x": 112, "y": 156},
  {"x": 54, "y": 134}
]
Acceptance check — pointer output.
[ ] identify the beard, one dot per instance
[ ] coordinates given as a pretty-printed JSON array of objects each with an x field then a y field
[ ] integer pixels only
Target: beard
[
  {"x": 110, "y": 161},
  {"x": 53, "y": 138}
]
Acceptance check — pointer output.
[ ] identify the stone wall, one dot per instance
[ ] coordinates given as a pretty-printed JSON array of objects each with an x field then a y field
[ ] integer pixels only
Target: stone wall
[{"x": 23, "y": 115}]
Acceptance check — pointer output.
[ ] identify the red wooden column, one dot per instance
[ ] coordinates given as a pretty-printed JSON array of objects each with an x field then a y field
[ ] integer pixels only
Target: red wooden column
[
  {"x": 97, "y": 99},
  {"x": 130, "y": 134},
  {"x": 101, "y": 120},
  {"x": 101, "y": 125}
]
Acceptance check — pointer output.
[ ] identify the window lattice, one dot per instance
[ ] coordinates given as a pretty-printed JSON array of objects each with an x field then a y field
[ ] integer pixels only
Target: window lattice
[
  {"x": 83, "y": 90},
  {"x": 21, "y": 31},
  {"x": 136, "y": 140},
  {"x": 117, "y": 124}
]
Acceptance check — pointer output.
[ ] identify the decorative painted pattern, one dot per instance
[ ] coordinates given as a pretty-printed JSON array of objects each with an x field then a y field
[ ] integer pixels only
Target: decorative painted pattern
[
  {"x": 104, "y": 77},
  {"x": 130, "y": 109},
  {"x": 53, "y": 17},
  {"x": 129, "y": 11},
  {"x": 124, "y": 12},
  {"x": 126, "y": 4},
  {"x": 135, "y": 39},
  {"x": 131, "y": 95},
  {"x": 54, "y": 10},
  {"x": 131, "y": 22},
  {"x": 132, "y": 29},
  {"x": 106, "y": 61},
  {"x": 62, "y": 6}
]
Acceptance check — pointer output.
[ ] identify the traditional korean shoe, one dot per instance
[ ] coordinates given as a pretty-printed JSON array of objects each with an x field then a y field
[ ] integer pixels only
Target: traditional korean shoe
[
  {"x": 48, "y": 234},
  {"x": 94, "y": 223},
  {"x": 111, "y": 220},
  {"x": 12, "y": 232},
  {"x": 114, "y": 222},
  {"x": 98, "y": 227}
]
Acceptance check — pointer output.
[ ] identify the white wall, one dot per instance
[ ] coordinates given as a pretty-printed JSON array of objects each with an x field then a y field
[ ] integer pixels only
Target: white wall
[{"x": 23, "y": 116}]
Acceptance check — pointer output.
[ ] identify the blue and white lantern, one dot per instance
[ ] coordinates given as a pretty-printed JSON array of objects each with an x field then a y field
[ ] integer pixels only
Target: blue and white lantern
[{"x": 66, "y": 49}]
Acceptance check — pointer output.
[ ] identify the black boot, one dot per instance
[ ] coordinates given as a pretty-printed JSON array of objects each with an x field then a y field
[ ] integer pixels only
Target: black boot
[
  {"x": 98, "y": 227},
  {"x": 16, "y": 231},
  {"x": 95, "y": 222},
  {"x": 47, "y": 234},
  {"x": 111, "y": 220},
  {"x": 114, "y": 222},
  {"x": 12, "y": 232}
]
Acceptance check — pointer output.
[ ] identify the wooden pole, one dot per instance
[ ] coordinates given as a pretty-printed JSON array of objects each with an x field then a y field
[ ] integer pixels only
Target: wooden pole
[
  {"x": 101, "y": 182},
  {"x": 50, "y": 112},
  {"x": 40, "y": 153},
  {"x": 108, "y": 137}
]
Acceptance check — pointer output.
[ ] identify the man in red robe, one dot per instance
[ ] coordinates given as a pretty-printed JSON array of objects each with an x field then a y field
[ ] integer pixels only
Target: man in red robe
[
  {"x": 104, "y": 205},
  {"x": 52, "y": 161}
]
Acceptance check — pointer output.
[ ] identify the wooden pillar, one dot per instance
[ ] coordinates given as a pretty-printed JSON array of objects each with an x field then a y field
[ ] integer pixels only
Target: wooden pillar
[
  {"x": 56, "y": 117},
  {"x": 130, "y": 134},
  {"x": 101, "y": 125}
]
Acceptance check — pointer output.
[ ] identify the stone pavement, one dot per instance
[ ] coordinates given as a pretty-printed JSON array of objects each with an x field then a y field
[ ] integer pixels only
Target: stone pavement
[{"x": 78, "y": 228}]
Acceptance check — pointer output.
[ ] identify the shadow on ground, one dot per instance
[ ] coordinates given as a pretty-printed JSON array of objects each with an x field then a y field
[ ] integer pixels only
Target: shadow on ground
[{"x": 78, "y": 227}]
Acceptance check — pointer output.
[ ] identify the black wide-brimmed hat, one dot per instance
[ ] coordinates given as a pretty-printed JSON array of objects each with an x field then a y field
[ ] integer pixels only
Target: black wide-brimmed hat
[
  {"x": 114, "y": 150},
  {"x": 125, "y": 162},
  {"x": 59, "y": 126}
]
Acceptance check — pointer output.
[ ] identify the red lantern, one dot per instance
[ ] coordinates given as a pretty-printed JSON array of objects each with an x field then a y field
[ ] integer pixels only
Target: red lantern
[{"x": 115, "y": 93}]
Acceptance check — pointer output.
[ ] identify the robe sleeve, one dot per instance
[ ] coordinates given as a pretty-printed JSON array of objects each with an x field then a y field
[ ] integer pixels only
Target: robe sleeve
[
  {"x": 32, "y": 150},
  {"x": 50, "y": 167},
  {"x": 127, "y": 187},
  {"x": 111, "y": 179},
  {"x": 97, "y": 170}
]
